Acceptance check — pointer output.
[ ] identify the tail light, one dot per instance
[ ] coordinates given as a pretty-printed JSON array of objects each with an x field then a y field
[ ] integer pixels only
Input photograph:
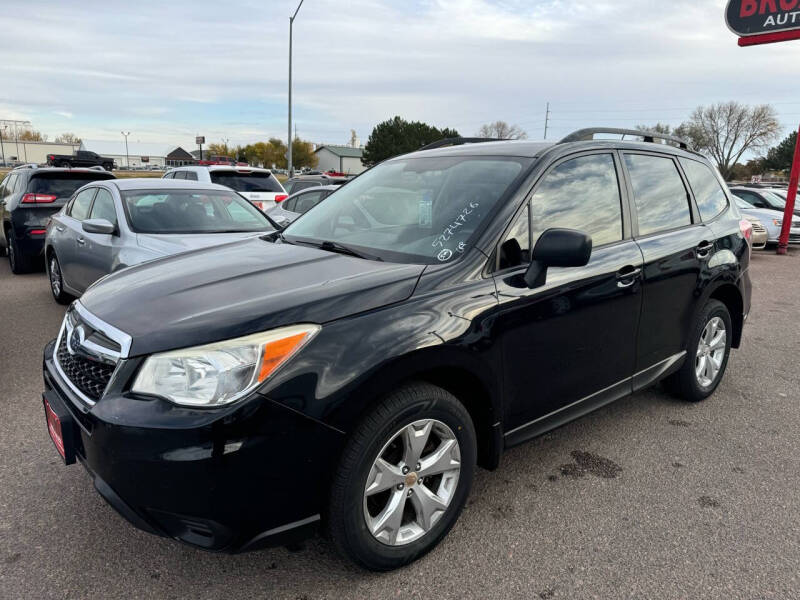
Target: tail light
[
  {"x": 38, "y": 199},
  {"x": 38, "y": 231},
  {"x": 281, "y": 197},
  {"x": 746, "y": 227}
]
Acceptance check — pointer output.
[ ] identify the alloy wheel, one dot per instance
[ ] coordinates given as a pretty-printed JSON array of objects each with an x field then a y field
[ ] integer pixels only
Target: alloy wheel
[
  {"x": 412, "y": 482},
  {"x": 710, "y": 352},
  {"x": 55, "y": 276}
]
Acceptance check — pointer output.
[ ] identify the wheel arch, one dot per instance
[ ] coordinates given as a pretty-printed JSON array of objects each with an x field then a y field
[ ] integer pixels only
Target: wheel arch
[{"x": 731, "y": 297}]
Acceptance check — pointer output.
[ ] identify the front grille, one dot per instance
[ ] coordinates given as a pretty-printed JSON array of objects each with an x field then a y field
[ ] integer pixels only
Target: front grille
[{"x": 90, "y": 377}]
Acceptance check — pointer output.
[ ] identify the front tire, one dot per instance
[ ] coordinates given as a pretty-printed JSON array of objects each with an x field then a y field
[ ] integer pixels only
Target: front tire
[
  {"x": 707, "y": 354},
  {"x": 56, "y": 279},
  {"x": 403, "y": 478}
]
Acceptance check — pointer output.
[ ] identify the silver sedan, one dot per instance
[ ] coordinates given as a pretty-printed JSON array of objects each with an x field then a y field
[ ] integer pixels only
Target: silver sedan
[{"x": 112, "y": 224}]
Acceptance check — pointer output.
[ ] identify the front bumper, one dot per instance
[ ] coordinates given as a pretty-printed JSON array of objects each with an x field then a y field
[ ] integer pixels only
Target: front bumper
[{"x": 222, "y": 481}]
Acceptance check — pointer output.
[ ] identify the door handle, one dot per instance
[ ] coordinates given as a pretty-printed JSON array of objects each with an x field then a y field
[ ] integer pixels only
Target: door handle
[
  {"x": 59, "y": 228},
  {"x": 81, "y": 241},
  {"x": 627, "y": 276},
  {"x": 704, "y": 249}
]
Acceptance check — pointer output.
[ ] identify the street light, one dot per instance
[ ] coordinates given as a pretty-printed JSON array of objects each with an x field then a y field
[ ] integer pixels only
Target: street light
[
  {"x": 289, "y": 137},
  {"x": 127, "y": 159},
  {"x": 2, "y": 150}
]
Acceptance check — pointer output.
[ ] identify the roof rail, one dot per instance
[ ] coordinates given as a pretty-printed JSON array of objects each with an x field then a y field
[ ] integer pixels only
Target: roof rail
[
  {"x": 458, "y": 141},
  {"x": 97, "y": 168},
  {"x": 649, "y": 136},
  {"x": 26, "y": 166}
]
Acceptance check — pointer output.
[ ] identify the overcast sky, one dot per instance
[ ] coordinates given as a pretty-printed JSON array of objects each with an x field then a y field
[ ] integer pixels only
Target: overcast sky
[{"x": 169, "y": 70}]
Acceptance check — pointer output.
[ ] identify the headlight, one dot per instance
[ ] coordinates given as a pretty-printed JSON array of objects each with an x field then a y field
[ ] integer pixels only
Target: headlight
[{"x": 220, "y": 373}]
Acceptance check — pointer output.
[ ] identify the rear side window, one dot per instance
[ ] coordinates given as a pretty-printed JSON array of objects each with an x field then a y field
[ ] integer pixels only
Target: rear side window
[
  {"x": 583, "y": 194},
  {"x": 191, "y": 176},
  {"x": 661, "y": 199},
  {"x": 61, "y": 185},
  {"x": 81, "y": 204},
  {"x": 306, "y": 202},
  {"x": 246, "y": 182},
  {"x": 708, "y": 193},
  {"x": 296, "y": 186},
  {"x": 103, "y": 207},
  {"x": 180, "y": 175}
]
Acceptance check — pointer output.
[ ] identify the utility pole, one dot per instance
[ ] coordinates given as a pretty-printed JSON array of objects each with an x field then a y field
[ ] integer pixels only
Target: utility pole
[
  {"x": 289, "y": 149},
  {"x": 546, "y": 120},
  {"x": 2, "y": 150},
  {"x": 127, "y": 157}
]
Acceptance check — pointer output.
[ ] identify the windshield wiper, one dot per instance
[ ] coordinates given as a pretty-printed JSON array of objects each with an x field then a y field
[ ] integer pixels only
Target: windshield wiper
[{"x": 339, "y": 248}]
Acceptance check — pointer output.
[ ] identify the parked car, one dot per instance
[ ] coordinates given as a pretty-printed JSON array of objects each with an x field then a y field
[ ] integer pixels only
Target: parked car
[
  {"x": 28, "y": 197},
  {"x": 259, "y": 186},
  {"x": 760, "y": 237},
  {"x": 352, "y": 370},
  {"x": 762, "y": 198},
  {"x": 82, "y": 158},
  {"x": 299, "y": 203},
  {"x": 109, "y": 225},
  {"x": 303, "y": 182},
  {"x": 771, "y": 220}
]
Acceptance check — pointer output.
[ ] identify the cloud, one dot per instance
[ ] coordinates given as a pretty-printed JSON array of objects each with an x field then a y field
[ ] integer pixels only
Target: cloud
[{"x": 169, "y": 71}]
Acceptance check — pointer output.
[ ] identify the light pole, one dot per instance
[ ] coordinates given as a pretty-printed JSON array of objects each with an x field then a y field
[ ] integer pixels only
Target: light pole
[
  {"x": 289, "y": 136},
  {"x": 127, "y": 158},
  {"x": 2, "y": 150}
]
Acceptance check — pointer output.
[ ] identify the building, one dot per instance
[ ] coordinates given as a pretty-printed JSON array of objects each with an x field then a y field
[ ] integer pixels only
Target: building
[
  {"x": 138, "y": 154},
  {"x": 18, "y": 151},
  {"x": 178, "y": 157},
  {"x": 343, "y": 159}
]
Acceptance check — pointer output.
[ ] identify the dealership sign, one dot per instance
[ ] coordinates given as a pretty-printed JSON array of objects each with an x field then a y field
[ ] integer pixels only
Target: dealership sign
[{"x": 764, "y": 21}]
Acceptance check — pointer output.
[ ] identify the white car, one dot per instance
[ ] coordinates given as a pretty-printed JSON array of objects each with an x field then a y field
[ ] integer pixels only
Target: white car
[{"x": 259, "y": 186}]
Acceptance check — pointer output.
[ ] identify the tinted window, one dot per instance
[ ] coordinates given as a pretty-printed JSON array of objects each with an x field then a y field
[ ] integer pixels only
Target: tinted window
[
  {"x": 306, "y": 202},
  {"x": 191, "y": 176},
  {"x": 422, "y": 210},
  {"x": 296, "y": 186},
  {"x": 103, "y": 207},
  {"x": 180, "y": 175},
  {"x": 516, "y": 248},
  {"x": 169, "y": 175},
  {"x": 8, "y": 185},
  {"x": 18, "y": 187},
  {"x": 289, "y": 204},
  {"x": 81, "y": 204},
  {"x": 246, "y": 182},
  {"x": 61, "y": 185},
  {"x": 191, "y": 211},
  {"x": 583, "y": 194},
  {"x": 708, "y": 193},
  {"x": 661, "y": 200}
]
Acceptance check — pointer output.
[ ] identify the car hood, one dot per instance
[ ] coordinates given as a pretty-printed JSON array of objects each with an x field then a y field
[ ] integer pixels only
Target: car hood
[
  {"x": 241, "y": 288},
  {"x": 173, "y": 243}
]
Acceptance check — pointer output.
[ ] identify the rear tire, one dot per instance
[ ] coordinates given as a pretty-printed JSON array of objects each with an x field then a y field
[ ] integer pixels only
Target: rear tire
[
  {"x": 64, "y": 164},
  {"x": 707, "y": 354},
  {"x": 56, "y": 279},
  {"x": 19, "y": 263},
  {"x": 412, "y": 458}
]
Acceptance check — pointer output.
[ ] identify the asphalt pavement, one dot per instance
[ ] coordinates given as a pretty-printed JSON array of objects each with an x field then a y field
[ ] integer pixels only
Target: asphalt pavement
[{"x": 647, "y": 498}]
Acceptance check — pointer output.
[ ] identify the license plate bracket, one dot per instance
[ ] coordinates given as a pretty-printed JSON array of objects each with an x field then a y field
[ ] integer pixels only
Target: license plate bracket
[{"x": 60, "y": 426}]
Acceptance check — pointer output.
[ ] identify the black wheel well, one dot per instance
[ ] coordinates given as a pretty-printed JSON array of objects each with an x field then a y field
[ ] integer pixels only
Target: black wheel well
[
  {"x": 471, "y": 392},
  {"x": 730, "y": 296}
]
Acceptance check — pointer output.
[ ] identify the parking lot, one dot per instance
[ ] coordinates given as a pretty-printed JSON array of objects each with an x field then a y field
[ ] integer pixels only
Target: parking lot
[{"x": 647, "y": 498}]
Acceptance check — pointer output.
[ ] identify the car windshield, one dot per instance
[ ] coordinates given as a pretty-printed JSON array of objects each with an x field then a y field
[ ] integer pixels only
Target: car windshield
[
  {"x": 191, "y": 211},
  {"x": 61, "y": 185},
  {"x": 246, "y": 182},
  {"x": 423, "y": 210},
  {"x": 774, "y": 200}
]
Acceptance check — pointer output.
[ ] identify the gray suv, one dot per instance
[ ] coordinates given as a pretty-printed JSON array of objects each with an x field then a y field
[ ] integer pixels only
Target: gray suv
[{"x": 109, "y": 225}]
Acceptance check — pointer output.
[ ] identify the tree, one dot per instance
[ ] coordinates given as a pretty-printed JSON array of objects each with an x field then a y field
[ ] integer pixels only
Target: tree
[
  {"x": 398, "y": 136},
  {"x": 781, "y": 156},
  {"x": 502, "y": 130},
  {"x": 68, "y": 138},
  {"x": 754, "y": 166},
  {"x": 303, "y": 154},
  {"x": 30, "y": 135},
  {"x": 726, "y": 131},
  {"x": 659, "y": 127}
]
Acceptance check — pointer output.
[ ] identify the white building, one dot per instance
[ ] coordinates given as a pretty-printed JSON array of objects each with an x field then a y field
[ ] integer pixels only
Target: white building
[
  {"x": 344, "y": 159},
  {"x": 139, "y": 154},
  {"x": 13, "y": 151}
]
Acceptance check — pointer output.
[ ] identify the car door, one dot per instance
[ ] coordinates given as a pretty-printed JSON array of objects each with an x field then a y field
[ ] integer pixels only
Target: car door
[
  {"x": 70, "y": 242},
  {"x": 96, "y": 255},
  {"x": 676, "y": 247},
  {"x": 569, "y": 346}
]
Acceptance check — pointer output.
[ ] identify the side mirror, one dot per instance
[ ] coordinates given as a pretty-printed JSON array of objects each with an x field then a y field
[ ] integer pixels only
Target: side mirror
[
  {"x": 101, "y": 226},
  {"x": 557, "y": 248}
]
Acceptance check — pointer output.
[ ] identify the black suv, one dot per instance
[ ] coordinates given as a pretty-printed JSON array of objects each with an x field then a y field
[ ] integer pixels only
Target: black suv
[
  {"x": 352, "y": 370},
  {"x": 29, "y": 195}
]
